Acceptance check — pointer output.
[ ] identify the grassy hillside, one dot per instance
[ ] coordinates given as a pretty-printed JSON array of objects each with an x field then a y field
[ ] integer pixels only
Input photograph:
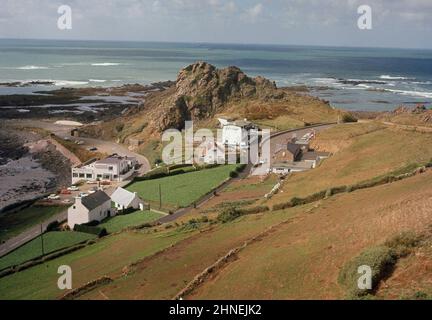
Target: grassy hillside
[
  {"x": 12, "y": 224},
  {"x": 302, "y": 259},
  {"x": 52, "y": 241},
  {"x": 107, "y": 257},
  {"x": 362, "y": 152},
  {"x": 297, "y": 253}
]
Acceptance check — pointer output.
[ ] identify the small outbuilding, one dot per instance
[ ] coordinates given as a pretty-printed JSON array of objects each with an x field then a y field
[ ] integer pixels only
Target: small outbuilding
[{"x": 124, "y": 199}]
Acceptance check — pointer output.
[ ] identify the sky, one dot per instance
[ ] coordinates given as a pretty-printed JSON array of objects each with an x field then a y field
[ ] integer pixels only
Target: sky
[{"x": 395, "y": 23}]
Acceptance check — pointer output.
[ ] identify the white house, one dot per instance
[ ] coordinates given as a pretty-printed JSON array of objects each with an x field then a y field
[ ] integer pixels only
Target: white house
[
  {"x": 112, "y": 168},
  {"x": 124, "y": 199},
  {"x": 239, "y": 133},
  {"x": 95, "y": 207}
]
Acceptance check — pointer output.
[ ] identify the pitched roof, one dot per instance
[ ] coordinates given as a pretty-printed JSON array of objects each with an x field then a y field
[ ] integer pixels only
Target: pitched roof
[
  {"x": 293, "y": 148},
  {"x": 123, "y": 197},
  {"x": 95, "y": 200}
]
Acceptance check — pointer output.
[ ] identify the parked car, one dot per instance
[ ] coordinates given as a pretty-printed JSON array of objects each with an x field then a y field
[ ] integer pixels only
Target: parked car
[
  {"x": 53, "y": 197},
  {"x": 73, "y": 188},
  {"x": 92, "y": 182},
  {"x": 105, "y": 183},
  {"x": 83, "y": 194},
  {"x": 66, "y": 201},
  {"x": 65, "y": 191},
  {"x": 66, "y": 139},
  {"x": 79, "y": 142},
  {"x": 93, "y": 149}
]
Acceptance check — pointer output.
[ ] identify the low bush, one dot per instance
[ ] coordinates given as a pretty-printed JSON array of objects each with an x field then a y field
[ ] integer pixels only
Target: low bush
[
  {"x": 348, "y": 117},
  {"x": 403, "y": 243},
  {"x": 228, "y": 215},
  {"x": 380, "y": 259},
  {"x": 53, "y": 226},
  {"x": 100, "y": 232},
  {"x": 233, "y": 174},
  {"x": 254, "y": 210},
  {"x": 240, "y": 168}
]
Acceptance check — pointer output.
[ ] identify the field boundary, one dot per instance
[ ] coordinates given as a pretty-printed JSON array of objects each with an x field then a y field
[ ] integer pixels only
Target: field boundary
[
  {"x": 44, "y": 258},
  {"x": 332, "y": 191},
  {"x": 230, "y": 256}
]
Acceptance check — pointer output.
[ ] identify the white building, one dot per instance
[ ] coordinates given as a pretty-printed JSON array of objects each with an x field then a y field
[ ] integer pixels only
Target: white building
[
  {"x": 95, "y": 207},
  {"x": 124, "y": 199},
  {"x": 239, "y": 133},
  {"x": 112, "y": 168}
]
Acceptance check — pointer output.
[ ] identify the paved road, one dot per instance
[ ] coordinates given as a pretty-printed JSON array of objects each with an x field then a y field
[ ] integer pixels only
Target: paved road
[
  {"x": 62, "y": 131},
  {"x": 111, "y": 147},
  {"x": 29, "y": 234},
  {"x": 276, "y": 139},
  {"x": 204, "y": 199}
]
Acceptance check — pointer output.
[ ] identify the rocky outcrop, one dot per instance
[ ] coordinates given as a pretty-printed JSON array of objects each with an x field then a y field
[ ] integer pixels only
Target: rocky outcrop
[{"x": 202, "y": 90}]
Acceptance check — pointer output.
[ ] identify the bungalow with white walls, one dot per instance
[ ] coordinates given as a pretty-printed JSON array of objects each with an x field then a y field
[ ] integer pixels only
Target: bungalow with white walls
[
  {"x": 94, "y": 207},
  {"x": 238, "y": 133},
  {"x": 124, "y": 199}
]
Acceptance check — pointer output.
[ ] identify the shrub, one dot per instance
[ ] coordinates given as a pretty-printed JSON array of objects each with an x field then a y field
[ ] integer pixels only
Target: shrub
[
  {"x": 254, "y": 210},
  {"x": 100, "y": 232},
  {"x": 204, "y": 219},
  {"x": 233, "y": 174},
  {"x": 348, "y": 117},
  {"x": 282, "y": 206},
  {"x": 381, "y": 259},
  {"x": 403, "y": 243},
  {"x": 240, "y": 168},
  {"x": 228, "y": 215},
  {"x": 93, "y": 223},
  {"x": 53, "y": 226}
]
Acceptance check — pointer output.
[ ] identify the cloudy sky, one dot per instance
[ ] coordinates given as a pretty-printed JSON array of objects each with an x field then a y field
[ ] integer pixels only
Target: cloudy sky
[{"x": 396, "y": 23}]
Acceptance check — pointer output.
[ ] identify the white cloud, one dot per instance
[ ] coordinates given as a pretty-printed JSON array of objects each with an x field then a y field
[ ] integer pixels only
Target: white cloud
[{"x": 255, "y": 11}]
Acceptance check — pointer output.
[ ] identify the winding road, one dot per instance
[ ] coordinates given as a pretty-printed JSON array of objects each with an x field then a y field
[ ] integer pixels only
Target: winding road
[{"x": 112, "y": 147}]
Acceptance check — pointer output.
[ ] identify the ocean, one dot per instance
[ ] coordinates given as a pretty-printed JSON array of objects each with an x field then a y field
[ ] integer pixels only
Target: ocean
[{"x": 350, "y": 78}]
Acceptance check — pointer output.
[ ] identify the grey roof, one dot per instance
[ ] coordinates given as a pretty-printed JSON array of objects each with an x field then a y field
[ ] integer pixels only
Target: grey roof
[
  {"x": 293, "y": 148},
  {"x": 95, "y": 200}
]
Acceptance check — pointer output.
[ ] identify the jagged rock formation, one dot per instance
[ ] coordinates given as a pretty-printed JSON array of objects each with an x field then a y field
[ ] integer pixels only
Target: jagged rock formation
[{"x": 202, "y": 90}]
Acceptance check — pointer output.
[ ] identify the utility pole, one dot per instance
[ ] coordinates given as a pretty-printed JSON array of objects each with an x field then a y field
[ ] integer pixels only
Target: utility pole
[
  {"x": 160, "y": 197},
  {"x": 42, "y": 241}
]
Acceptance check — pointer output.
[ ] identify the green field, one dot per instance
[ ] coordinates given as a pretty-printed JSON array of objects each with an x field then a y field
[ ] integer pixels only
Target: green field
[
  {"x": 109, "y": 255},
  {"x": 118, "y": 223},
  {"x": 181, "y": 190},
  {"x": 12, "y": 224},
  {"x": 52, "y": 241}
]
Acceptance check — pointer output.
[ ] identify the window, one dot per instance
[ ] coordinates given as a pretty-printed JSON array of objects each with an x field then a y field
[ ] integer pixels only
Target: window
[
  {"x": 89, "y": 176},
  {"x": 110, "y": 168},
  {"x": 99, "y": 176},
  {"x": 74, "y": 207},
  {"x": 81, "y": 175},
  {"x": 75, "y": 175}
]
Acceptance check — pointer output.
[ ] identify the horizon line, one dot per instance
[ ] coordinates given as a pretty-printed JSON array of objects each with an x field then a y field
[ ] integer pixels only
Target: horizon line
[{"x": 221, "y": 43}]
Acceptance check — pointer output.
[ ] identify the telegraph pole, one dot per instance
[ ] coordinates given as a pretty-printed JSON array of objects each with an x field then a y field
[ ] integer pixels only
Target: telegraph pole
[
  {"x": 160, "y": 197},
  {"x": 42, "y": 241}
]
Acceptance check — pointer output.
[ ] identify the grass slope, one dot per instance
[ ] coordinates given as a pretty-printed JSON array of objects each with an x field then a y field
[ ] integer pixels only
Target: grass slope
[
  {"x": 52, "y": 241},
  {"x": 107, "y": 257},
  {"x": 181, "y": 190},
  {"x": 118, "y": 223},
  {"x": 12, "y": 224},
  {"x": 365, "y": 152}
]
